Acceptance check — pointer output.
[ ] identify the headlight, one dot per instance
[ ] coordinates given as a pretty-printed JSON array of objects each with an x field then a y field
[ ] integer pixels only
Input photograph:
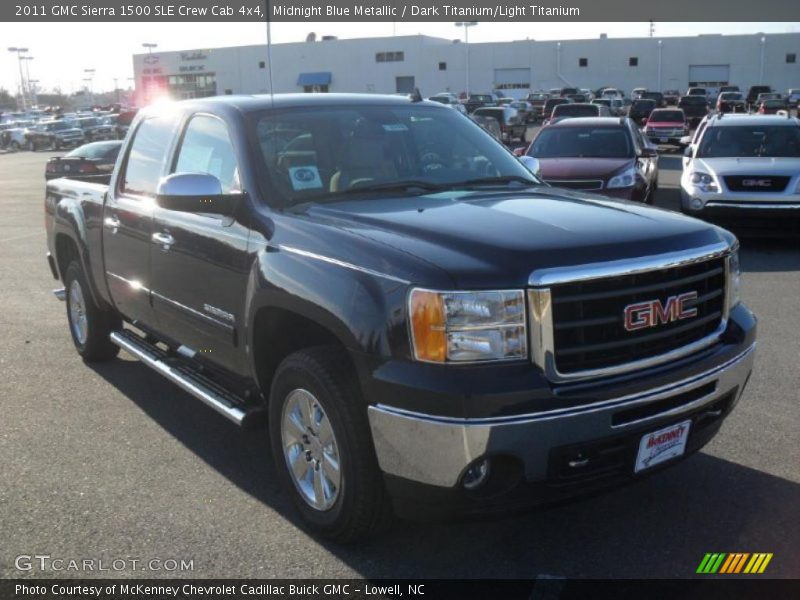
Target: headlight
[
  {"x": 703, "y": 181},
  {"x": 467, "y": 326},
  {"x": 734, "y": 278},
  {"x": 625, "y": 179}
]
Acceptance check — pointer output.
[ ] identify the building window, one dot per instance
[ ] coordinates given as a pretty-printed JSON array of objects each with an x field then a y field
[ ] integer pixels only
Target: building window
[
  {"x": 228, "y": 92},
  {"x": 583, "y": 62},
  {"x": 443, "y": 66},
  {"x": 389, "y": 57},
  {"x": 261, "y": 64},
  {"x": 791, "y": 58},
  {"x": 633, "y": 61}
]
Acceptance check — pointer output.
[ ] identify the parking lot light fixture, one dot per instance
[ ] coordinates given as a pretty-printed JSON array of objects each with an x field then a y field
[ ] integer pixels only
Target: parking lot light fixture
[
  {"x": 149, "y": 46},
  {"x": 20, "y": 51},
  {"x": 466, "y": 25}
]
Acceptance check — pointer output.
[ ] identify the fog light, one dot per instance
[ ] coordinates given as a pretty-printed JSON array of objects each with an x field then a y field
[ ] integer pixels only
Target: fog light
[
  {"x": 477, "y": 474},
  {"x": 696, "y": 204}
]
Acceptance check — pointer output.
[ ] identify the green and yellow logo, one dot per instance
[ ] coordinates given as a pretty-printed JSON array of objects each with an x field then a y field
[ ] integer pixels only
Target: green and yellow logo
[{"x": 735, "y": 562}]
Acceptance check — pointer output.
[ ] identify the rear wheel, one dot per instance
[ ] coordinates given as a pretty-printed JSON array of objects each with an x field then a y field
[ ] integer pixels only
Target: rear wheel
[
  {"x": 322, "y": 446},
  {"x": 14, "y": 145},
  {"x": 89, "y": 325},
  {"x": 651, "y": 195}
]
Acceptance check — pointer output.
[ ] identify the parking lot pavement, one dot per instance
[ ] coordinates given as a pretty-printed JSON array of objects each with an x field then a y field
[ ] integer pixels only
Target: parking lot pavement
[{"x": 112, "y": 461}]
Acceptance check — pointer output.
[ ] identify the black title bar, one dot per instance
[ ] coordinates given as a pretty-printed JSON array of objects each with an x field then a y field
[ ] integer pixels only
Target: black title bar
[{"x": 393, "y": 10}]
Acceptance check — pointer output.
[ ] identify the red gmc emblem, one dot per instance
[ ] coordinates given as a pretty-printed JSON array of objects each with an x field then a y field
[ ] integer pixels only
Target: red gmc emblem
[{"x": 652, "y": 312}]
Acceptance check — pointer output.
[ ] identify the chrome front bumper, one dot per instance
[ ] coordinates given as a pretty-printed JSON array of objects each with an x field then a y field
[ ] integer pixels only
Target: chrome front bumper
[{"x": 436, "y": 450}]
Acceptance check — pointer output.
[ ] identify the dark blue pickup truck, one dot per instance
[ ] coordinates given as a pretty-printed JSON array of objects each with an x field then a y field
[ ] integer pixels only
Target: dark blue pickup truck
[{"x": 423, "y": 325}]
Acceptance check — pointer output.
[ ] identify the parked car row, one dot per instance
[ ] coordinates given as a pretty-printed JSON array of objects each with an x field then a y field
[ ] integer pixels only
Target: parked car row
[{"x": 57, "y": 130}]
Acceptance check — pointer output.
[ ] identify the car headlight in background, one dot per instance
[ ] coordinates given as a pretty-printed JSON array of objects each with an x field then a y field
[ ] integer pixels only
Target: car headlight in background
[
  {"x": 734, "y": 278},
  {"x": 703, "y": 181},
  {"x": 625, "y": 179},
  {"x": 467, "y": 326}
]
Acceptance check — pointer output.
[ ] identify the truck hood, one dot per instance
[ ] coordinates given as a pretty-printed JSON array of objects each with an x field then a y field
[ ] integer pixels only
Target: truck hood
[
  {"x": 484, "y": 240},
  {"x": 582, "y": 168},
  {"x": 750, "y": 166}
]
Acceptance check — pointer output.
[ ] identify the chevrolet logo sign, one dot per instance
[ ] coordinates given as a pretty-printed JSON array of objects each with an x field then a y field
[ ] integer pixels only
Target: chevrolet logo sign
[{"x": 757, "y": 182}]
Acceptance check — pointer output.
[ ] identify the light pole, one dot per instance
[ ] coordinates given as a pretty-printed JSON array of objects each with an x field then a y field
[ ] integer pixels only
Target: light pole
[
  {"x": 466, "y": 25},
  {"x": 761, "y": 68},
  {"x": 20, "y": 52},
  {"x": 660, "y": 47},
  {"x": 32, "y": 86},
  {"x": 90, "y": 79},
  {"x": 28, "y": 60}
]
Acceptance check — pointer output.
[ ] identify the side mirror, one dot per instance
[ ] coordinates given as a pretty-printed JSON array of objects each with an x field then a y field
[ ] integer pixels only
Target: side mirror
[
  {"x": 688, "y": 152},
  {"x": 531, "y": 164},
  {"x": 650, "y": 152},
  {"x": 194, "y": 193},
  {"x": 519, "y": 151}
]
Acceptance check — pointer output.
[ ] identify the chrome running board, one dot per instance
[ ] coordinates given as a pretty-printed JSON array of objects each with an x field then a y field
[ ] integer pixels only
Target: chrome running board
[{"x": 221, "y": 400}]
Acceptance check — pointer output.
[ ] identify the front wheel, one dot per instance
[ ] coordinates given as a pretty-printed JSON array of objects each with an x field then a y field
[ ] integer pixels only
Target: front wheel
[
  {"x": 322, "y": 446},
  {"x": 89, "y": 325}
]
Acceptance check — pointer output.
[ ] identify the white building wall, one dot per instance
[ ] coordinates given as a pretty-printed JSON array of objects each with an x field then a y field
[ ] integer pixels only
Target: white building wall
[{"x": 354, "y": 68}]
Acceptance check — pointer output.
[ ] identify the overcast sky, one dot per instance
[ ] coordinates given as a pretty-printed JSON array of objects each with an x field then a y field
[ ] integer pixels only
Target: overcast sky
[{"x": 59, "y": 61}]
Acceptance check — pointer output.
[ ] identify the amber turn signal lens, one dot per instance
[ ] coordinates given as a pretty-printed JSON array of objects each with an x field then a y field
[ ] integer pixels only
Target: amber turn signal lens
[{"x": 428, "y": 326}]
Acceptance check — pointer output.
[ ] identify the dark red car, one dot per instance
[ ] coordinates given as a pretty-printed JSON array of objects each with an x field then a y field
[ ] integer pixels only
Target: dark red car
[{"x": 605, "y": 155}]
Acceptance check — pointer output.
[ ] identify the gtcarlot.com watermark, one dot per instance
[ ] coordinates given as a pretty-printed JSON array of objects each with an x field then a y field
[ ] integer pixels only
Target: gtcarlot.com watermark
[{"x": 56, "y": 564}]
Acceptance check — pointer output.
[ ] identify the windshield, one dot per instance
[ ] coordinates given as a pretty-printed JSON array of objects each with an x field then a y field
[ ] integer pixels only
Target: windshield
[
  {"x": 57, "y": 126},
  {"x": 750, "y": 140},
  {"x": 667, "y": 116},
  {"x": 323, "y": 153},
  {"x": 97, "y": 150},
  {"x": 730, "y": 96},
  {"x": 575, "y": 110},
  {"x": 582, "y": 142},
  {"x": 481, "y": 98},
  {"x": 692, "y": 101}
]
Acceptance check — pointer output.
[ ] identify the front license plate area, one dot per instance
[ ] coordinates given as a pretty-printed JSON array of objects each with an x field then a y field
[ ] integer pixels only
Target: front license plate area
[
  {"x": 663, "y": 140},
  {"x": 659, "y": 446}
]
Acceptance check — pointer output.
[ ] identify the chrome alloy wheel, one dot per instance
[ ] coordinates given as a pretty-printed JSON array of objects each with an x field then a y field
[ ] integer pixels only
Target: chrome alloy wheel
[
  {"x": 310, "y": 450},
  {"x": 77, "y": 313}
]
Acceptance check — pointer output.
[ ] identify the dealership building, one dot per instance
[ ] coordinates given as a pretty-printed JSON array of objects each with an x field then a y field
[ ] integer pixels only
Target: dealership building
[{"x": 400, "y": 64}]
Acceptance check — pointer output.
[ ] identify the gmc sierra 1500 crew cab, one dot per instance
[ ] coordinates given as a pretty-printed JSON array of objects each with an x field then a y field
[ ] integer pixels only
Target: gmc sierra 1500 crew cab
[{"x": 421, "y": 322}]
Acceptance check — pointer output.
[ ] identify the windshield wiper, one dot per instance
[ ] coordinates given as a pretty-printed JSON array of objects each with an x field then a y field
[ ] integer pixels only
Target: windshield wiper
[
  {"x": 408, "y": 186},
  {"x": 501, "y": 180}
]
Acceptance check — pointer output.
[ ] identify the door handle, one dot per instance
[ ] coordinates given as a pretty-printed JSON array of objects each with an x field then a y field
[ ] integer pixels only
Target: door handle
[
  {"x": 164, "y": 239},
  {"x": 112, "y": 223}
]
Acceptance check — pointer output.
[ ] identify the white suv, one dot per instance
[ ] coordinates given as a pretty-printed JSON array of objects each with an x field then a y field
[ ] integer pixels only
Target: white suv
[{"x": 744, "y": 171}]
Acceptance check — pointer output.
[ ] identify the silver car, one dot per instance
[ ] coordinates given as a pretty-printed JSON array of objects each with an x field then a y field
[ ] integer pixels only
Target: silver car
[{"x": 744, "y": 172}]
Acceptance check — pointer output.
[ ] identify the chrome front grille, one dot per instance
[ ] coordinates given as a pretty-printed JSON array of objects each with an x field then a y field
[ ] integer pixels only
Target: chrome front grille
[{"x": 578, "y": 325}]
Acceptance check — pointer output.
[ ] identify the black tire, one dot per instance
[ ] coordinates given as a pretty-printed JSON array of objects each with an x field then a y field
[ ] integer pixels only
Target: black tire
[
  {"x": 651, "y": 195},
  {"x": 14, "y": 146},
  {"x": 361, "y": 506},
  {"x": 95, "y": 345}
]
